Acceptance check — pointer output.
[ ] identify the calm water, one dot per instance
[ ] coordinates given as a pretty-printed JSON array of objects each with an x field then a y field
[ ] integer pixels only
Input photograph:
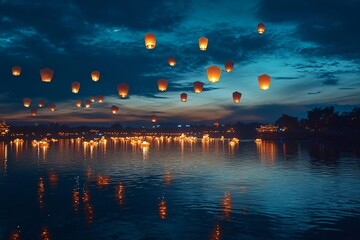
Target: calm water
[{"x": 180, "y": 190}]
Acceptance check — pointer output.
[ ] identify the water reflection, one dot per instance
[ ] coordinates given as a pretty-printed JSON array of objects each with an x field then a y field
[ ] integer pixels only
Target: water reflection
[
  {"x": 120, "y": 194},
  {"x": 162, "y": 209},
  {"x": 44, "y": 233},
  {"x": 89, "y": 213},
  {"x": 76, "y": 196},
  {"x": 41, "y": 192},
  {"x": 324, "y": 152},
  {"x": 226, "y": 204},
  {"x": 215, "y": 234},
  {"x": 53, "y": 178},
  {"x": 15, "y": 235},
  {"x": 102, "y": 181},
  {"x": 267, "y": 151},
  {"x": 168, "y": 178},
  {"x": 3, "y": 156}
]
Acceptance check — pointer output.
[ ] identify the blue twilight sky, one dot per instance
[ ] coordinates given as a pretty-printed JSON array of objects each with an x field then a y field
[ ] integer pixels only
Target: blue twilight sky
[{"x": 311, "y": 50}]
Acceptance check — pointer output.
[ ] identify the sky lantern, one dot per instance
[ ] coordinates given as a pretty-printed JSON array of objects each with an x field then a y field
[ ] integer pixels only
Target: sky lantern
[
  {"x": 261, "y": 28},
  {"x": 87, "y": 104},
  {"x": 229, "y": 65},
  {"x": 100, "y": 99},
  {"x": 75, "y": 87},
  {"x": 150, "y": 41},
  {"x": 198, "y": 87},
  {"x": 264, "y": 82},
  {"x": 162, "y": 84},
  {"x": 27, "y": 102},
  {"x": 92, "y": 99},
  {"x": 52, "y": 107},
  {"x": 172, "y": 61},
  {"x": 33, "y": 112},
  {"x": 236, "y": 97},
  {"x": 153, "y": 118},
  {"x": 213, "y": 73},
  {"x": 16, "y": 71},
  {"x": 78, "y": 103},
  {"x": 123, "y": 90},
  {"x": 46, "y": 74},
  {"x": 95, "y": 76},
  {"x": 183, "y": 97},
  {"x": 114, "y": 109},
  {"x": 42, "y": 104},
  {"x": 203, "y": 42}
]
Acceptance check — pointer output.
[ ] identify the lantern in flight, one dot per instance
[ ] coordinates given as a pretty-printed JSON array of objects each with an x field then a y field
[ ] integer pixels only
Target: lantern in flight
[
  {"x": 153, "y": 118},
  {"x": 162, "y": 84},
  {"x": 52, "y": 107},
  {"x": 229, "y": 65},
  {"x": 87, "y": 104},
  {"x": 100, "y": 99},
  {"x": 236, "y": 97},
  {"x": 42, "y": 104},
  {"x": 16, "y": 71},
  {"x": 114, "y": 109},
  {"x": 95, "y": 76},
  {"x": 123, "y": 90},
  {"x": 150, "y": 41},
  {"x": 27, "y": 102},
  {"x": 261, "y": 28},
  {"x": 264, "y": 82},
  {"x": 198, "y": 87},
  {"x": 33, "y": 112},
  {"x": 92, "y": 99},
  {"x": 183, "y": 97},
  {"x": 75, "y": 87},
  {"x": 213, "y": 73},
  {"x": 46, "y": 74},
  {"x": 78, "y": 103},
  {"x": 203, "y": 42},
  {"x": 171, "y": 61}
]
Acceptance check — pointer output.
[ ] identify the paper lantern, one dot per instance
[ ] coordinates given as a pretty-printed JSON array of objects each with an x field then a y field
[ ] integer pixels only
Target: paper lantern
[
  {"x": 150, "y": 41},
  {"x": 95, "y": 76},
  {"x": 183, "y": 97},
  {"x": 213, "y": 73},
  {"x": 123, "y": 90},
  {"x": 203, "y": 42},
  {"x": 75, "y": 87},
  {"x": 27, "y": 102},
  {"x": 52, "y": 107},
  {"x": 92, "y": 99},
  {"x": 229, "y": 65},
  {"x": 264, "y": 82},
  {"x": 78, "y": 103},
  {"x": 42, "y": 104},
  {"x": 16, "y": 71},
  {"x": 33, "y": 112},
  {"x": 46, "y": 74},
  {"x": 261, "y": 28},
  {"x": 114, "y": 109},
  {"x": 172, "y": 61},
  {"x": 87, "y": 104},
  {"x": 153, "y": 118},
  {"x": 236, "y": 97},
  {"x": 100, "y": 99},
  {"x": 198, "y": 87},
  {"x": 162, "y": 84}
]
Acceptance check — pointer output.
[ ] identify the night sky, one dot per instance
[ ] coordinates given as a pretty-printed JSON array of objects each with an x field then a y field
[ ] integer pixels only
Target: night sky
[{"x": 311, "y": 50}]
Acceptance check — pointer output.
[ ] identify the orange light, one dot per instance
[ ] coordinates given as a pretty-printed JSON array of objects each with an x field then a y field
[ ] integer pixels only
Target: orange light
[
  {"x": 203, "y": 42},
  {"x": 16, "y": 71},
  {"x": 150, "y": 41}
]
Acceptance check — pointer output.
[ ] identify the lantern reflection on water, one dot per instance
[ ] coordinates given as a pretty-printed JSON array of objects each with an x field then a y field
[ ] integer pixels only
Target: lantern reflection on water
[
  {"x": 162, "y": 209},
  {"x": 53, "y": 178},
  {"x": 89, "y": 213},
  {"x": 215, "y": 234},
  {"x": 102, "y": 181},
  {"x": 44, "y": 234},
  {"x": 267, "y": 151},
  {"x": 168, "y": 178},
  {"x": 15, "y": 235},
  {"x": 41, "y": 191},
  {"x": 226, "y": 202},
  {"x": 120, "y": 194}
]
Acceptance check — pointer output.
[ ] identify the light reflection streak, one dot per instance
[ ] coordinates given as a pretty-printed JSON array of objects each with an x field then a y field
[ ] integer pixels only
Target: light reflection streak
[
  {"x": 41, "y": 192},
  {"x": 44, "y": 234},
  {"x": 267, "y": 151},
  {"x": 162, "y": 209},
  {"x": 226, "y": 203},
  {"x": 215, "y": 234},
  {"x": 120, "y": 194}
]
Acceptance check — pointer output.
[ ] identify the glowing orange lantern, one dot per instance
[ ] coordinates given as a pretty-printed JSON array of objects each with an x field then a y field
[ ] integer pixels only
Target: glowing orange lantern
[
  {"x": 150, "y": 41},
  {"x": 100, "y": 99},
  {"x": 114, "y": 109},
  {"x": 46, "y": 74},
  {"x": 123, "y": 90},
  {"x": 78, "y": 103},
  {"x": 162, "y": 84},
  {"x": 16, "y": 71},
  {"x": 41, "y": 103},
  {"x": 229, "y": 65},
  {"x": 75, "y": 87},
  {"x": 236, "y": 97},
  {"x": 203, "y": 42},
  {"x": 183, "y": 97},
  {"x": 27, "y": 102},
  {"x": 198, "y": 87},
  {"x": 213, "y": 73},
  {"x": 261, "y": 28},
  {"x": 153, "y": 118},
  {"x": 172, "y": 61},
  {"x": 33, "y": 112},
  {"x": 87, "y": 104},
  {"x": 95, "y": 76},
  {"x": 264, "y": 82},
  {"x": 92, "y": 99},
  {"x": 52, "y": 107}
]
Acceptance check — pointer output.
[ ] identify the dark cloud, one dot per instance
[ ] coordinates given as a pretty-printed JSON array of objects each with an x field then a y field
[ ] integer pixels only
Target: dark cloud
[
  {"x": 346, "y": 88},
  {"x": 314, "y": 93},
  {"x": 328, "y": 78}
]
